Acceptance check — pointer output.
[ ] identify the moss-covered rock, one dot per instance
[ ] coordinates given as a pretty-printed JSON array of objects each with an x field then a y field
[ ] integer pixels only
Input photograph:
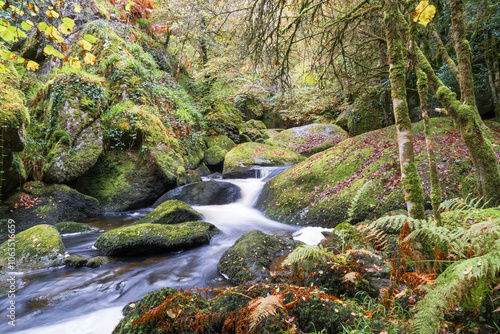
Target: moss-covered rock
[
  {"x": 47, "y": 203},
  {"x": 69, "y": 107},
  {"x": 97, "y": 261},
  {"x": 187, "y": 302},
  {"x": 320, "y": 190},
  {"x": 155, "y": 238},
  {"x": 309, "y": 139},
  {"x": 253, "y": 129},
  {"x": 249, "y": 106},
  {"x": 13, "y": 120},
  {"x": 247, "y": 155},
  {"x": 74, "y": 227},
  {"x": 203, "y": 193},
  {"x": 251, "y": 256},
  {"x": 171, "y": 212},
  {"x": 123, "y": 180},
  {"x": 36, "y": 248},
  {"x": 75, "y": 261},
  {"x": 214, "y": 158},
  {"x": 222, "y": 141}
]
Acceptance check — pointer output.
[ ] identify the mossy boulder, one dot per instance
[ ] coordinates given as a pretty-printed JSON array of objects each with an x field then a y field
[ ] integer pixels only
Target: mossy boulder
[
  {"x": 204, "y": 193},
  {"x": 309, "y": 139},
  {"x": 36, "y": 248},
  {"x": 214, "y": 158},
  {"x": 250, "y": 258},
  {"x": 47, "y": 203},
  {"x": 249, "y": 106},
  {"x": 68, "y": 108},
  {"x": 222, "y": 141},
  {"x": 187, "y": 302},
  {"x": 97, "y": 261},
  {"x": 247, "y": 155},
  {"x": 123, "y": 180},
  {"x": 171, "y": 212},
  {"x": 75, "y": 261},
  {"x": 253, "y": 129},
  {"x": 74, "y": 227},
  {"x": 14, "y": 118},
  {"x": 155, "y": 238},
  {"x": 319, "y": 190}
]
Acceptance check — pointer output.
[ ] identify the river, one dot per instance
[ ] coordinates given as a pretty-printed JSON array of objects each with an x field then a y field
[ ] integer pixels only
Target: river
[{"x": 89, "y": 301}]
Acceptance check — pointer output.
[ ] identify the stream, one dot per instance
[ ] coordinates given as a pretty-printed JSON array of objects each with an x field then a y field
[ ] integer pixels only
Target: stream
[{"x": 89, "y": 301}]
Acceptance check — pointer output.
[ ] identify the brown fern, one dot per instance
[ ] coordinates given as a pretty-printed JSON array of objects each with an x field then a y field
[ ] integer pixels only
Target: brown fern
[{"x": 262, "y": 307}]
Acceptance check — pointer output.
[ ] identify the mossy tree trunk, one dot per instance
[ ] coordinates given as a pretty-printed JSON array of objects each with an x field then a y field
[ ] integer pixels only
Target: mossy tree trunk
[
  {"x": 467, "y": 119},
  {"x": 423, "y": 88},
  {"x": 492, "y": 62},
  {"x": 412, "y": 187}
]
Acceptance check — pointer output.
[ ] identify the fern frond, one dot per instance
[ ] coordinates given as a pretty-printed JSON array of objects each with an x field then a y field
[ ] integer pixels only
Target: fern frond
[
  {"x": 453, "y": 287},
  {"x": 263, "y": 307},
  {"x": 483, "y": 235},
  {"x": 441, "y": 236},
  {"x": 361, "y": 251},
  {"x": 357, "y": 196},
  {"x": 308, "y": 253},
  {"x": 392, "y": 224}
]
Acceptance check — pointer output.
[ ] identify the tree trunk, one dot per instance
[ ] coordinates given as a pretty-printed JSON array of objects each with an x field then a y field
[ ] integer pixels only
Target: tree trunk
[
  {"x": 492, "y": 62},
  {"x": 444, "y": 53},
  {"x": 423, "y": 88},
  {"x": 412, "y": 187}
]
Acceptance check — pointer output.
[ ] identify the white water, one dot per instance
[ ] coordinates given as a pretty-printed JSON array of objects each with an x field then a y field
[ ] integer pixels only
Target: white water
[{"x": 89, "y": 301}]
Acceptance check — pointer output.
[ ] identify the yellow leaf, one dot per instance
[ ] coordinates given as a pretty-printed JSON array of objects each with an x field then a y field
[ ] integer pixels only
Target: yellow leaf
[
  {"x": 85, "y": 45},
  {"x": 75, "y": 62},
  {"x": 78, "y": 9},
  {"x": 32, "y": 66},
  {"x": 12, "y": 56},
  {"x": 424, "y": 13},
  {"x": 89, "y": 58}
]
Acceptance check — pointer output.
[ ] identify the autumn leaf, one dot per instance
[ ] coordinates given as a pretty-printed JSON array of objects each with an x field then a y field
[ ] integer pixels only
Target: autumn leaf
[
  {"x": 424, "y": 13},
  {"x": 78, "y": 9},
  {"x": 89, "y": 58},
  {"x": 75, "y": 62},
  {"x": 85, "y": 45},
  {"x": 32, "y": 66}
]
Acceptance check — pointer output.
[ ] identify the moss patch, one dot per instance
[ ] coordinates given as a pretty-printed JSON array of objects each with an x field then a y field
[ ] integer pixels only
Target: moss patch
[
  {"x": 36, "y": 248},
  {"x": 171, "y": 212},
  {"x": 73, "y": 227},
  {"x": 155, "y": 238},
  {"x": 319, "y": 190}
]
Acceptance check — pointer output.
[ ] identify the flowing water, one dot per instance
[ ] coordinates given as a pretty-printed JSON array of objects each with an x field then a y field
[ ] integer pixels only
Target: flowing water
[{"x": 84, "y": 300}]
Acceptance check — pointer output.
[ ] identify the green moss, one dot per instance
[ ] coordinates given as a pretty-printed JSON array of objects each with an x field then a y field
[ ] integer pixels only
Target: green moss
[
  {"x": 97, "y": 261},
  {"x": 465, "y": 218},
  {"x": 75, "y": 261},
  {"x": 35, "y": 248},
  {"x": 412, "y": 184},
  {"x": 171, "y": 212},
  {"x": 155, "y": 238},
  {"x": 214, "y": 155},
  {"x": 73, "y": 227},
  {"x": 222, "y": 141}
]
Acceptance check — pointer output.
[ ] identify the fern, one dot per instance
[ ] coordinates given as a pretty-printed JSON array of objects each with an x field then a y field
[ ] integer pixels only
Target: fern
[
  {"x": 392, "y": 224},
  {"x": 354, "y": 202},
  {"x": 483, "y": 235},
  {"x": 308, "y": 253},
  {"x": 361, "y": 251},
  {"x": 445, "y": 238},
  {"x": 453, "y": 288},
  {"x": 262, "y": 307}
]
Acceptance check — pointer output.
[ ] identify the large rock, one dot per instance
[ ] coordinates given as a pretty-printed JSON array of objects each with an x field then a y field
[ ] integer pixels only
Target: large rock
[
  {"x": 155, "y": 238},
  {"x": 36, "y": 248},
  {"x": 222, "y": 141},
  {"x": 47, "y": 203},
  {"x": 204, "y": 193},
  {"x": 249, "y": 106},
  {"x": 74, "y": 227},
  {"x": 247, "y": 155},
  {"x": 309, "y": 139},
  {"x": 319, "y": 190},
  {"x": 69, "y": 109},
  {"x": 251, "y": 257},
  {"x": 13, "y": 120},
  {"x": 123, "y": 180},
  {"x": 214, "y": 158},
  {"x": 171, "y": 212}
]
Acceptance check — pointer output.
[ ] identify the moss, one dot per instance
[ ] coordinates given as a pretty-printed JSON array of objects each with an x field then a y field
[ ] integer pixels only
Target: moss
[
  {"x": 412, "y": 184},
  {"x": 319, "y": 190},
  {"x": 73, "y": 227},
  {"x": 465, "y": 218},
  {"x": 309, "y": 139},
  {"x": 35, "y": 248},
  {"x": 97, "y": 261},
  {"x": 75, "y": 261},
  {"x": 222, "y": 141},
  {"x": 214, "y": 156},
  {"x": 155, "y": 238},
  {"x": 250, "y": 257},
  {"x": 250, "y": 154},
  {"x": 171, "y": 212},
  {"x": 181, "y": 176}
]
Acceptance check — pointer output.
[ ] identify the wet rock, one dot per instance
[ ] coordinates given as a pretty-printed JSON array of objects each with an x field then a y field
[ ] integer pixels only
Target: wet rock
[
  {"x": 251, "y": 256},
  {"x": 171, "y": 212},
  {"x": 73, "y": 227},
  {"x": 155, "y": 238},
  {"x": 97, "y": 261},
  {"x": 36, "y": 248},
  {"x": 214, "y": 158},
  {"x": 204, "y": 193},
  {"x": 75, "y": 261}
]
